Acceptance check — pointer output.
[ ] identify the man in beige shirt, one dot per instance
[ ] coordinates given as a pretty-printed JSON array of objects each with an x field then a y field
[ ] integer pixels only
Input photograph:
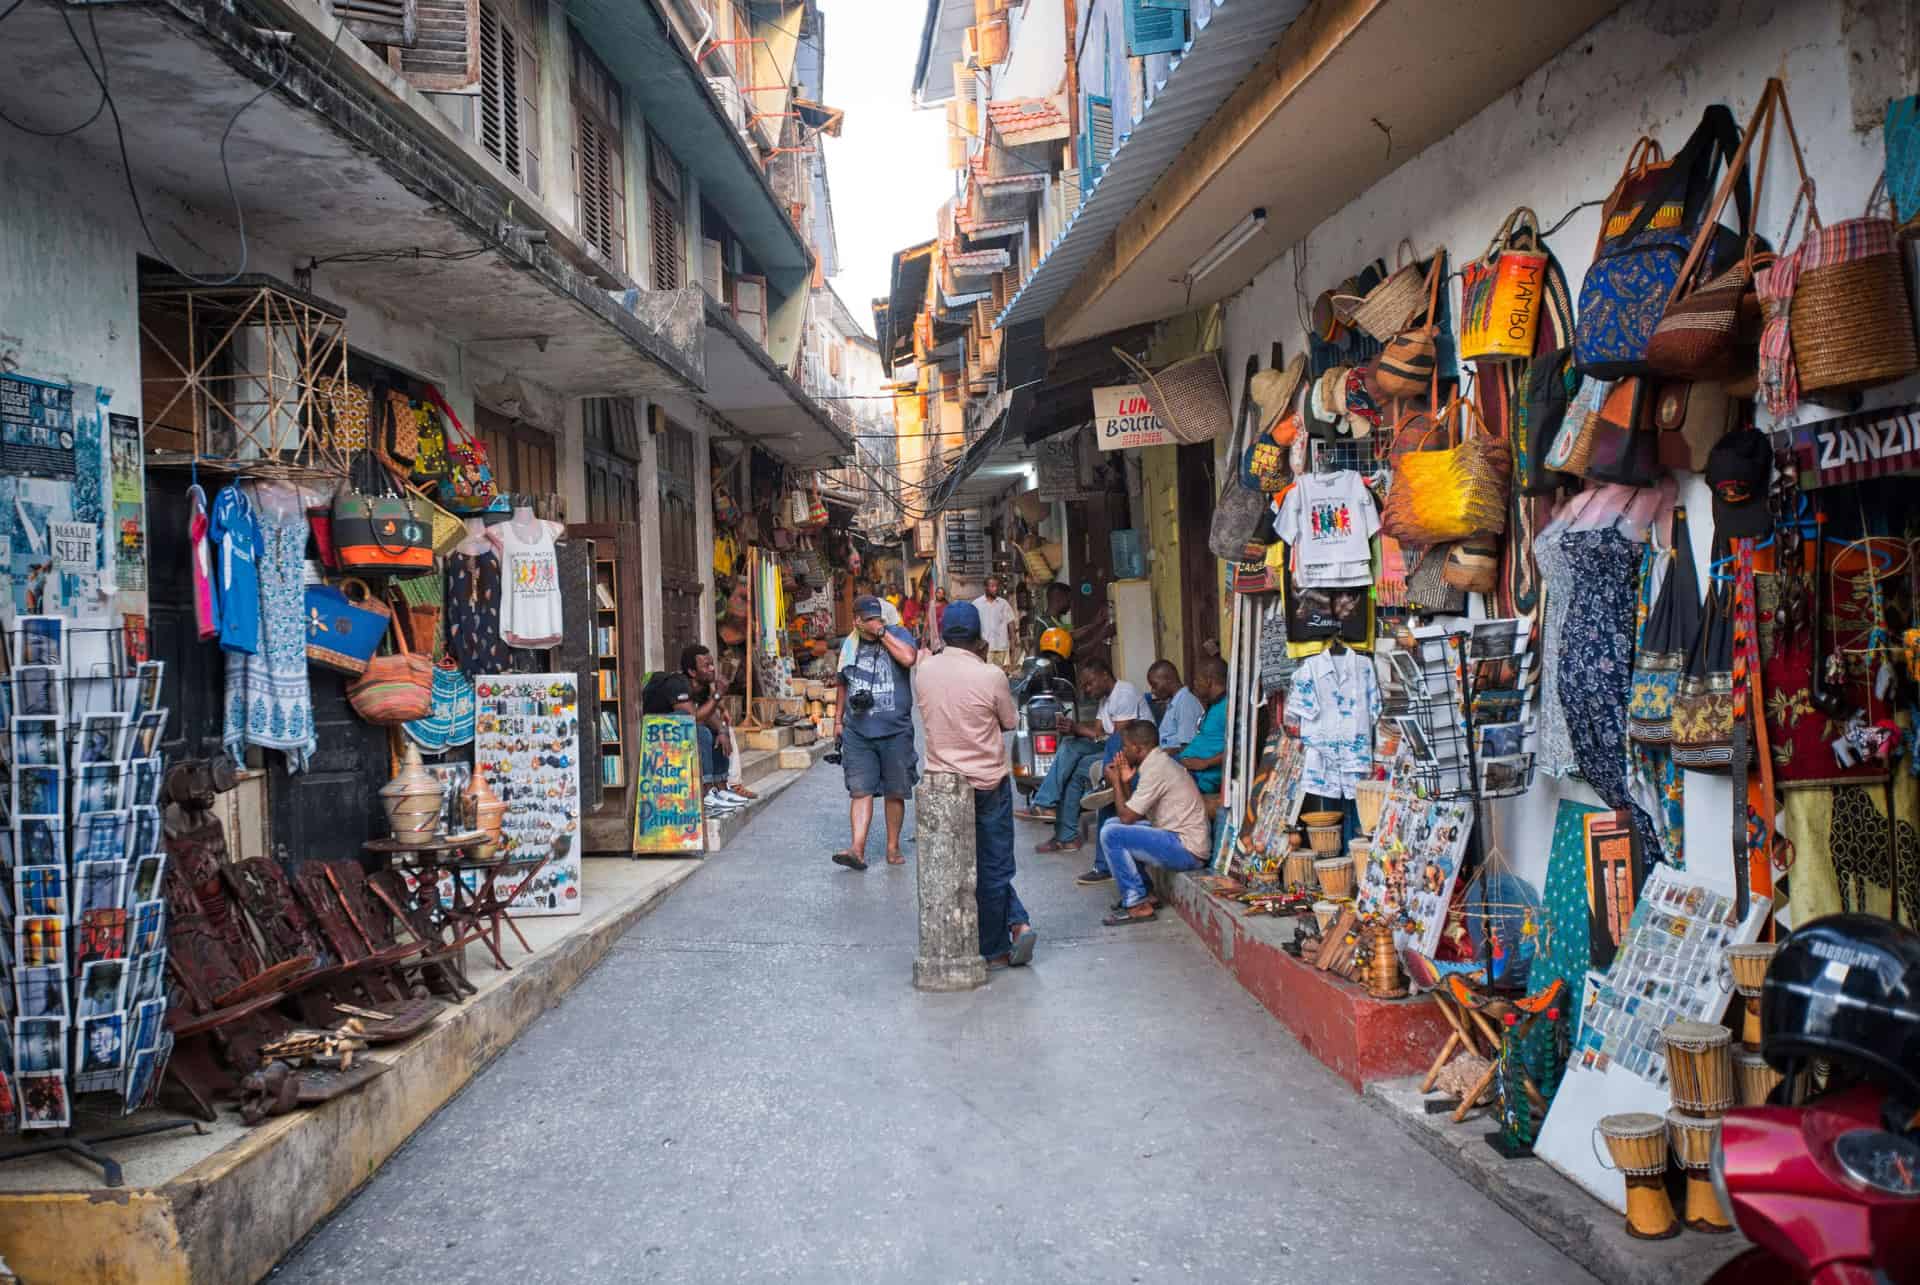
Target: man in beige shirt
[
  {"x": 1160, "y": 820},
  {"x": 965, "y": 706}
]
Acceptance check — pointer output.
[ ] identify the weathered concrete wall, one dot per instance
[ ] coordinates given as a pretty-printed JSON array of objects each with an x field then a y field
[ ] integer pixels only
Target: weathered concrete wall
[{"x": 1560, "y": 138}]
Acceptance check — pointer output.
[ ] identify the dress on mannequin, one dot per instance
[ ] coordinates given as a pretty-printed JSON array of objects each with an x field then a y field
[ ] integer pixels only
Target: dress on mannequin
[
  {"x": 473, "y": 604},
  {"x": 530, "y": 612}
]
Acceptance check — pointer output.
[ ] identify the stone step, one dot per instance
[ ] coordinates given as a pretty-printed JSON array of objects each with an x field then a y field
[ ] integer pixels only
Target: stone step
[
  {"x": 721, "y": 829},
  {"x": 758, "y": 765},
  {"x": 772, "y": 738}
]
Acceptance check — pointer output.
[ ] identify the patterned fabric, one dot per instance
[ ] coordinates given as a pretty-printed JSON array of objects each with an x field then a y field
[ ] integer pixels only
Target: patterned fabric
[
  {"x": 1336, "y": 701},
  {"x": 1596, "y": 663},
  {"x": 473, "y": 613},
  {"x": 1658, "y": 784},
  {"x": 1555, "y": 754},
  {"x": 1622, "y": 299},
  {"x": 1754, "y": 828},
  {"x": 269, "y": 700},
  {"x": 1779, "y": 385},
  {"x": 1566, "y": 953}
]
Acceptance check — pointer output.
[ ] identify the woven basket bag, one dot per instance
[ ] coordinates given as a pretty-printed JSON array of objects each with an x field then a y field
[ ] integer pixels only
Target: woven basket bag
[{"x": 1189, "y": 397}]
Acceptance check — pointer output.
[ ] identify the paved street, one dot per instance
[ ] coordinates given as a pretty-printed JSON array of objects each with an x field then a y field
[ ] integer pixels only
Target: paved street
[{"x": 749, "y": 1089}]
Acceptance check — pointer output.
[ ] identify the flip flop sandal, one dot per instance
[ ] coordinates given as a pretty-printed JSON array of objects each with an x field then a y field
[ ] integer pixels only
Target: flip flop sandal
[
  {"x": 1030, "y": 815},
  {"x": 896, "y": 858},
  {"x": 1124, "y": 918},
  {"x": 849, "y": 860},
  {"x": 1022, "y": 953},
  {"x": 1153, "y": 899}
]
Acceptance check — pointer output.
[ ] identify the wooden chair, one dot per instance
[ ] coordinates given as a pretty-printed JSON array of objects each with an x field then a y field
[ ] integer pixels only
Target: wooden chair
[{"x": 287, "y": 931}]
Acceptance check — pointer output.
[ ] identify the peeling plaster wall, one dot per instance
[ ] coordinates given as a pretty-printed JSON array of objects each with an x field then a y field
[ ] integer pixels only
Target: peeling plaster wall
[
  {"x": 1037, "y": 52},
  {"x": 1560, "y": 138}
]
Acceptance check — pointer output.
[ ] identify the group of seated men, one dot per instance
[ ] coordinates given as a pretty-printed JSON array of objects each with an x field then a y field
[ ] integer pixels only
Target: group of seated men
[{"x": 1162, "y": 766}]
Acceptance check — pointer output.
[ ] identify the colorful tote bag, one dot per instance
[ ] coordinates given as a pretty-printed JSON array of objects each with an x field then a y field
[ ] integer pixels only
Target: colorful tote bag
[
  {"x": 1671, "y": 632},
  {"x": 1703, "y": 701}
]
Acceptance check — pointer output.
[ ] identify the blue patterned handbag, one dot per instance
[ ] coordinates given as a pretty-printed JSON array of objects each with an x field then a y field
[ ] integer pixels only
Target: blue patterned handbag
[
  {"x": 1646, "y": 229},
  {"x": 1902, "y": 135}
]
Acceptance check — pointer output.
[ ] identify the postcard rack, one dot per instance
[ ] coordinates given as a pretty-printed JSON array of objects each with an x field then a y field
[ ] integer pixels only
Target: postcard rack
[{"x": 1459, "y": 699}]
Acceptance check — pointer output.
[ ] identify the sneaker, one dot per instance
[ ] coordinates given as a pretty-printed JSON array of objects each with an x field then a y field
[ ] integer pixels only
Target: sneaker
[
  {"x": 716, "y": 803},
  {"x": 728, "y": 796},
  {"x": 1092, "y": 877}
]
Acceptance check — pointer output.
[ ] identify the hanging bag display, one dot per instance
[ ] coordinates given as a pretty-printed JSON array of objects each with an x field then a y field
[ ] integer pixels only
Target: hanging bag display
[
  {"x": 403, "y": 426},
  {"x": 382, "y": 534},
  {"x": 1551, "y": 383},
  {"x": 467, "y": 486},
  {"x": 396, "y": 688},
  {"x": 1647, "y": 226},
  {"x": 349, "y": 411},
  {"x": 430, "y": 448},
  {"x": 1626, "y": 447},
  {"x": 1501, "y": 293},
  {"x": 1189, "y": 397},
  {"x": 1901, "y": 133},
  {"x": 1852, "y": 319},
  {"x": 1438, "y": 496},
  {"x": 1691, "y": 416},
  {"x": 1386, "y": 309},
  {"x": 1405, "y": 367},
  {"x": 1238, "y": 510},
  {"x": 1703, "y": 699},
  {"x": 344, "y": 630},
  {"x": 1672, "y": 628}
]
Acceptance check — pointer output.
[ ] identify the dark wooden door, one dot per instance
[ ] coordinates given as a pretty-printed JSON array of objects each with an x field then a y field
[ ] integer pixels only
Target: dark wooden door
[
  {"x": 682, "y": 580},
  {"x": 1199, "y": 574},
  {"x": 333, "y": 807},
  {"x": 194, "y": 686}
]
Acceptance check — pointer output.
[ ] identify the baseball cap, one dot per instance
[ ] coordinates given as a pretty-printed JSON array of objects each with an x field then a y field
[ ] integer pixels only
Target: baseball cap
[
  {"x": 960, "y": 623},
  {"x": 866, "y": 607},
  {"x": 1739, "y": 470}
]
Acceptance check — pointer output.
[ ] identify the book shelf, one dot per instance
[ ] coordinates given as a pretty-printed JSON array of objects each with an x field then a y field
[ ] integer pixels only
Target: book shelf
[
  {"x": 614, "y": 717},
  {"x": 618, "y": 646}
]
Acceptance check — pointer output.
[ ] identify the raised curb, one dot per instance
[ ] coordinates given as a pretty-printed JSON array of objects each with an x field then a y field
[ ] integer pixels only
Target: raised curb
[
  {"x": 1552, "y": 1206},
  {"x": 237, "y": 1213}
]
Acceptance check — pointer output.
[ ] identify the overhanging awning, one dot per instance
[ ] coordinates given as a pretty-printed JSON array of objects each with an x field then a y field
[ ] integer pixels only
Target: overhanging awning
[
  {"x": 749, "y": 391},
  {"x": 906, "y": 296},
  {"x": 941, "y": 37}
]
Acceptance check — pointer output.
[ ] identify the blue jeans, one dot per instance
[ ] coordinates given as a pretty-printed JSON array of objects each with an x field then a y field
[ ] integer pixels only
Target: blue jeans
[
  {"x": 999, "y": 905},
  {"x": 713, "y": 763},
  {"x": 1066, "y": 783},
  {"x": 1124, "y": 846}
]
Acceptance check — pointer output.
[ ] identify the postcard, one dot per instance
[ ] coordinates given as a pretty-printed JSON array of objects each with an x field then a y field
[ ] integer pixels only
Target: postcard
[
  {"x": 149, "y": 977},
  {"x": 103, "y": 987},
  {"x": 98, "y": 885},
  {"x": 40, "y": 1043},
  {"x": 148, "y": 731},
  {"x": 146, "y": 686},
  {"x": 43, "y": 1101},
  {"x": 102, "y": 737},
  {"x": 39, "y": 640},
  {"x": 103, "y": 1042},
  {"x": 143, "y": 783},
  {"x": 40, "y": 890},
  {"x": 101, "y": 836},
  {"x": 143, "y": 836},
  {"x": 40, "y": 942},
  {"x": 38, "y": 691},
  {"x": 41, "y": 992},
  {"x": 42, "y": 840},
  {"x": 37, "y": 742},
  {"x": 98, "y": 787},
  {"x": 148, "y": 1017},
  {"x": 100, "y": 934},
  {"x": 145, "y": 882},
  {"x": 36, "y": 790}
]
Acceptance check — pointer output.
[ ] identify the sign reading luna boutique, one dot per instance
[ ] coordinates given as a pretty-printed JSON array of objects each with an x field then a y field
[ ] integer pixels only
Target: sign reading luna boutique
[
  {"x": 1876, "y": 443},
  {"x": 1123, "y": 418}
]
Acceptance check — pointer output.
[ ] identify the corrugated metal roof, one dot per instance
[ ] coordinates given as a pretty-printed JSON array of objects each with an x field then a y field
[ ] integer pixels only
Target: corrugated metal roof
[{"x": 1216, "y": 60}]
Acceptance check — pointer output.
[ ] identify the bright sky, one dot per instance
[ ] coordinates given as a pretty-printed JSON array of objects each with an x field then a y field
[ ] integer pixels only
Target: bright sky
[{"x": 888, "y": 169}]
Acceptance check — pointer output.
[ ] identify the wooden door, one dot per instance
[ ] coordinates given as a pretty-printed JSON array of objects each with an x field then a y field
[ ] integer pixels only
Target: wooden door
[
  {"x": 682, "y": 579},
  {"x": 1199, "y": 573},
  {"x": 333, "y": 807}
]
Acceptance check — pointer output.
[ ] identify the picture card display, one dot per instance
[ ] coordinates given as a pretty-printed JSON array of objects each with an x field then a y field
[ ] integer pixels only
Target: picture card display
[{"x": 527, "y": 745}]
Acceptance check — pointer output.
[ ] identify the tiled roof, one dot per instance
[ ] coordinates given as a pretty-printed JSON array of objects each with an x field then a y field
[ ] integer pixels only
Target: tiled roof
[{"x": 1023, "y": 115}]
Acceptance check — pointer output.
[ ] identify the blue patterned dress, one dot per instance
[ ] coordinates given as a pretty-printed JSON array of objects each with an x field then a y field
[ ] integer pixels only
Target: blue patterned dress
[{"x": 269, "y": 701}]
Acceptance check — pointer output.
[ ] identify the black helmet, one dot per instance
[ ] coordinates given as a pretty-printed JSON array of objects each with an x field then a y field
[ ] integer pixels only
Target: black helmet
[{"x": 1847, "y": 988}]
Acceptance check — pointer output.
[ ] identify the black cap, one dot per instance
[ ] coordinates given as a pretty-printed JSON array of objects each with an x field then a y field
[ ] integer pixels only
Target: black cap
[{"x": 1740, "y": 471}]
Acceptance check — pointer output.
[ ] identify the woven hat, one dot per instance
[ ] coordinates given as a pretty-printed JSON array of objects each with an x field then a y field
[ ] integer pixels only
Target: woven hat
[
  {"x": 1325, "y": 405},
  {"x": 1273, "y": 390}
]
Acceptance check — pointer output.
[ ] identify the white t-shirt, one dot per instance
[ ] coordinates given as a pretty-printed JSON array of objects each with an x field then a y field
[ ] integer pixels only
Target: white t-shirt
[
  {"x": 1328, "y": 521},
  {"x": 1122, "y": 705},
  {"x": 996, "y": 621}
]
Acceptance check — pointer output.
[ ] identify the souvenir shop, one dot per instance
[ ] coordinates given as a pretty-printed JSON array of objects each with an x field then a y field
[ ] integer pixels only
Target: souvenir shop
[{"x": 1572, "y": 630}]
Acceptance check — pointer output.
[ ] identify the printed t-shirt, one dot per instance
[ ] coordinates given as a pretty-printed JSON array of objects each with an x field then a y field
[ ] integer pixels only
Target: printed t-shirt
[
  {"x": 236, "y": 580},
  {"x": 1328, "y": 522},
  {"x": 1166, "y": 796},
  {"x": 873, "y": 669}
]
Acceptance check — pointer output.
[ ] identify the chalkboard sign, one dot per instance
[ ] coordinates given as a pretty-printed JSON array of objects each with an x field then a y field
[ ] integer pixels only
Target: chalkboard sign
[{"x": 666, "y": 789}]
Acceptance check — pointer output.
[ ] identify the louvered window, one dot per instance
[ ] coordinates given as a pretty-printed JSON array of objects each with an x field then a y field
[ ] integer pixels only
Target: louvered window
[
  {"x": 599, "y": 164},
  {"x": 667, "y": 241},
  {"x": 378, "y": 22},
  {"x": 1154, "y": 27},
  {"x": 1096, "y": 144},
  {"x": 445, "y": 53},
  {"x": 509, "y": 121}
]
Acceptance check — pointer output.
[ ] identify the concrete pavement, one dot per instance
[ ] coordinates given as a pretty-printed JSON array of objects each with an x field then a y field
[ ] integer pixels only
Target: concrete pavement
[{"x": 749, "y": 1089}]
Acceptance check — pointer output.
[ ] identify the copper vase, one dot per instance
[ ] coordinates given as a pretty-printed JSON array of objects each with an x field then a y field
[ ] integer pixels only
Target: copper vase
[
  {"x": 412, "y": 798},
  {"x": 482, "y": 809}
]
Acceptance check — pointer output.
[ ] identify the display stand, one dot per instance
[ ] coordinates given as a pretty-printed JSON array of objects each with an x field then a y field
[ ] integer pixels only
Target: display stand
[
  {"x": 87, "y": 1150},
  {"x": 749, "y": 721}
]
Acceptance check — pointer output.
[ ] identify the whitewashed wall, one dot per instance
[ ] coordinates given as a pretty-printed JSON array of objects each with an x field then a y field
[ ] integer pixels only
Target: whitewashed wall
[{"x": 1560, "y": 138}]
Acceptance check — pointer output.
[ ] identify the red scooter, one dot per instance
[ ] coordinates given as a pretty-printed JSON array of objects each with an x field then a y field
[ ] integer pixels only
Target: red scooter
[{"x": 1829, "y": 1191}]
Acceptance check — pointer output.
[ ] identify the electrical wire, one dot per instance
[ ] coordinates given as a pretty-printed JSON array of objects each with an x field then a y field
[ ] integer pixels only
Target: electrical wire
[{"x": 98, "y": 107}]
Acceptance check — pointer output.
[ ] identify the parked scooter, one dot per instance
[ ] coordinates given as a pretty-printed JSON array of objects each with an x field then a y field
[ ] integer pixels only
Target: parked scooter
[
  {"x": 1042, "y": 692},
  {"x": 1829, "y": 1191}
]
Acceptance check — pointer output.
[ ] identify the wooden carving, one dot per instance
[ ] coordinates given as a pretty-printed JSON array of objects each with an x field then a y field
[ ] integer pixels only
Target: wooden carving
[
  {"x": 316, "y": 893},
  {"x": 283, "y": 924}
]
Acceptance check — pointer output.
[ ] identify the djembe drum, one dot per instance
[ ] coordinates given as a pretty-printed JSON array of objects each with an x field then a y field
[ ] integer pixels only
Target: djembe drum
[
  {"x": 1698, "y": 1069},
  {"x": 1692, "y": 1137},
  {"x": 1748, "y": 964},
  {"x": 1752, "y": 1076},
  {"x": 1637, "y": 1143}
]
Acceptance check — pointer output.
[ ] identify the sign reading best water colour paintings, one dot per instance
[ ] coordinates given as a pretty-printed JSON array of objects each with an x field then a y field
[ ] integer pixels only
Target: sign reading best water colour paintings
[
  {"x": 666, "y": 789},
  {"x": 527, "y": 744},
  {"x": 1123, "y": 418}
]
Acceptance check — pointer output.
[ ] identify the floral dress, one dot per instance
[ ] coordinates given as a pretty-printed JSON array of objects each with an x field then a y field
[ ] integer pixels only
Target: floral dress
[
  {"x": 473, "y": 613},
  {"x": 1336, "y": 699},
  {"x": 1596, "y": 663},
  {"x": 1554, "y": 755},
  {"x": 269, "y": 700}
]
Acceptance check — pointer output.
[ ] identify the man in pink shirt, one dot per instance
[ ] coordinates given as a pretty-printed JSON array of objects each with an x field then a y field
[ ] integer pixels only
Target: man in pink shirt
[{"x": 965, "y": 706}]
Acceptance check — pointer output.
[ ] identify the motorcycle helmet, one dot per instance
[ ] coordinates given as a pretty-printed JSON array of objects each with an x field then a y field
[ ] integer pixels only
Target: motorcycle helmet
[
  {"x": 1847, "y": 988},
  {"x": 1059, "y": 642}
]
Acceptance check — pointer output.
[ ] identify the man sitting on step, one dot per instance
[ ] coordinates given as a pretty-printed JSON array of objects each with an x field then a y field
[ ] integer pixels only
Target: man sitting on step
[
  {"x": 1159, "y": 820},
  {"x": 716, "y": 725},
  {"x": 671, "y": 692}
]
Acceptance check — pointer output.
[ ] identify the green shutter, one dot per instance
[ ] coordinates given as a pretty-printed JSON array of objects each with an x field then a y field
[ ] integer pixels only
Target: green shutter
[
  {"x": 1096, "y": 142},
  {"x": 1154, "y": 30}
]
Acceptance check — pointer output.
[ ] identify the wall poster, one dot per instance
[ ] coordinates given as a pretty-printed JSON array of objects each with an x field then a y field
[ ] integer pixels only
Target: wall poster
[
  {"x": 527, "y": 745},
  {"x": 667, "y": 814},
  {"x": 53, "y": 502}
]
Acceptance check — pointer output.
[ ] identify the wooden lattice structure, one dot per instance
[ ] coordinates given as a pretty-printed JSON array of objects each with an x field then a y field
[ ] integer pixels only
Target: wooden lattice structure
[{"x": 236, "y": 376}]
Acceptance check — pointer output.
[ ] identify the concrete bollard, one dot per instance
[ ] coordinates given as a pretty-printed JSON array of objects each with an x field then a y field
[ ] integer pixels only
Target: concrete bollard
[{"x": 949, "y": 958}]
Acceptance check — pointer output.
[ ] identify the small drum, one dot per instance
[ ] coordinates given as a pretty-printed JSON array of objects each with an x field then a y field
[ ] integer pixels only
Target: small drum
[
  {"x": 1754, "y": 1077},
  {"x": 1297, "y": 871},
  {"x": 1637, "y": 1143},
  {"x": 1336, "y": 877},
  {"x": 1748, "y": 967},
  {"x": 1693, "y": 1137},
  {"x": 1359, "y": 852},
  {"x": 1698, "y": 1069}
]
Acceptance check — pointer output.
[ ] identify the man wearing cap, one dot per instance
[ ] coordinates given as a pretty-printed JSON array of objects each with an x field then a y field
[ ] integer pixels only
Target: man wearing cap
[
  {"x": 965, "y": 707},
  {"x": 874, "y": 712}
]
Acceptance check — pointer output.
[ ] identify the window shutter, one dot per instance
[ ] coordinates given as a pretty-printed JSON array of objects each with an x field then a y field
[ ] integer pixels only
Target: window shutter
[
  {"x": 663, "y": 216},
  {"x": 529, "y": 86},
  {"x": 445, "y": 53},
  {"x": 1096, "y": 144},
  {"x": 617, "y": 205},
  {"x": 712, "y": 270},
  {"x": 500, "y": 93},
  {"x": 1154, "y": 30},
  {"x": 750, "y": 306},
  {"x": 378, "y": 22}
]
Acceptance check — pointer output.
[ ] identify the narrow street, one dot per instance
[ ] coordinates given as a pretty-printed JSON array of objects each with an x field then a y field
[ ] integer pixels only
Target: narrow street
[{"x": 748, "y": 1088}]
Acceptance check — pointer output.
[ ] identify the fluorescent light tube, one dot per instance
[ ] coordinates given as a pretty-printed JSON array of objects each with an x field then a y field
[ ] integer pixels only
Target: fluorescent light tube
[{"x": 1238, "y": 235}]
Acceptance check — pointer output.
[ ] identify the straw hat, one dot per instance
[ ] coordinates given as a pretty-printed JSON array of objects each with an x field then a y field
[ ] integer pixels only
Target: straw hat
[
  {"x": 1326, "y": 404},
  {"x": 1273, "y": 392}
]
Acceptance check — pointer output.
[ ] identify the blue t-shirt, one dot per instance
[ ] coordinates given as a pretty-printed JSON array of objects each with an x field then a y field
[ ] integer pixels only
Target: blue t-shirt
[
  {"x": 873, "y": 669},
  {"x": 1210, "y": 740},
  {"x": 1181, "y": 723},
  {"x": 236, "y": 581}
]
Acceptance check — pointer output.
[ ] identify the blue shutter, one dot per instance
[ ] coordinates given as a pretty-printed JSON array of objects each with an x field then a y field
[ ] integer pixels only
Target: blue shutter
[
  {"x": 1153, "y": 30},
  {"x": 1096, "y": 140}
]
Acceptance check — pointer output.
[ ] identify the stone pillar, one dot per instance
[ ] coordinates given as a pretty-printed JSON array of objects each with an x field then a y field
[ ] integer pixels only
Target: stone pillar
[{"x": 949, "y": 958}]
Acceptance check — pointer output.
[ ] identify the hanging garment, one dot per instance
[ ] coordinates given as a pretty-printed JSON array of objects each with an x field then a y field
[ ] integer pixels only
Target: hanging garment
[
  {"x": 269, "y": 701},
  {"x": 473, "y": 613},
  {"x": 1555, "y": 754},
  {"x": 206, "y": 604},
  {"x": 1336, "y": 701},
  {"x": 1657, "y": 782},
  {"x": 529, "y": 585},
  {"x": 234, "y": 534},
  {"x": 1596, "y": 663},
  {"x": 1566, "y": 952}
]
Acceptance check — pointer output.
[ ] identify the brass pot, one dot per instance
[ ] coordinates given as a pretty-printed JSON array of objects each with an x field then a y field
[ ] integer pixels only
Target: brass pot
[{"x": 482, "y": 809}]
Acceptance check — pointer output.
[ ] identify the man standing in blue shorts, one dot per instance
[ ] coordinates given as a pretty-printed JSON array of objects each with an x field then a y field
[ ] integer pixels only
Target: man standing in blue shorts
[{"x": 875, "y": 717}]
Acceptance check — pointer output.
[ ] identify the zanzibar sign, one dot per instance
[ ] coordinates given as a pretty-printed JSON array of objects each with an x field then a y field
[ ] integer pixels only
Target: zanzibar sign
[
  {"x": 1876, "y": 443},
  {"x": 1123, "y": 418}
]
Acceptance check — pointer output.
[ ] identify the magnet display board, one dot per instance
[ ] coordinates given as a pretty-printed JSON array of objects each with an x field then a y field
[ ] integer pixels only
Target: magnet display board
[
  {"x": 666, "y": 788},
  {"x": 527, "y": 745}
]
